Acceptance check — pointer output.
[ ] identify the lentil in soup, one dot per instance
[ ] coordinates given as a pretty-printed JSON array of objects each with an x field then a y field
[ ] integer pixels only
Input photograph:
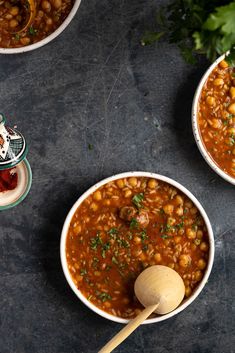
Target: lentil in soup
[
  {"x": 126, "y": 226},
  {"x": 216, "y": 117},
  {"x": 49, "y": 16}
]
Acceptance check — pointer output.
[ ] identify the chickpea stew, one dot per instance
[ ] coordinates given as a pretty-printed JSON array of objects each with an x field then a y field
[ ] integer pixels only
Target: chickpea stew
[
  {"x": 125, "y": 226},
  {"x": 48, "y": 17},
  {"x": 216, "y": 117}
]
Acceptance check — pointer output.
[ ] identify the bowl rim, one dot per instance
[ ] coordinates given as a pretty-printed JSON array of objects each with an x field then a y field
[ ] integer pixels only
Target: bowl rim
[
  {"x": 47, "y": 39},
  {"x": 27, "y": 189},
  {"x": 172, "y": 182},
  {"x": 195, "y": 127}
]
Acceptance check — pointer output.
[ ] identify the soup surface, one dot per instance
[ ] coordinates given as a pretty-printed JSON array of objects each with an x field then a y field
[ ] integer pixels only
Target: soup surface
[
  {"x": 216, "y": 117},
  {"x": 126, "y": 226},
  {"x": 49, "y": 16}
]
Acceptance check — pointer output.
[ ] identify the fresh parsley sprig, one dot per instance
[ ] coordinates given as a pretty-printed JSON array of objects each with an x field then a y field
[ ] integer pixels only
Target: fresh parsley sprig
[{"x": 198, "y": 27}]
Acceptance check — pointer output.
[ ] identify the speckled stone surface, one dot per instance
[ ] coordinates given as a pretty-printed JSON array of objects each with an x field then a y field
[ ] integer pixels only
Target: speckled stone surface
[{"x": 96, "y": 85}]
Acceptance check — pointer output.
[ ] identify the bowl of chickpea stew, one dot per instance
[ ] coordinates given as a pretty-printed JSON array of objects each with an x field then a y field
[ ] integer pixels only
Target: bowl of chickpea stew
[
  {"x": 50, "y": 19},
  {"x": 213, "y": 118},
  {"x": 124, "y": 224}
]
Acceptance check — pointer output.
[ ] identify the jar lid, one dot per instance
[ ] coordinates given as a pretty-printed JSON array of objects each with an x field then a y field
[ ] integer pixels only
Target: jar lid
[{"x": 13, "y": 147}]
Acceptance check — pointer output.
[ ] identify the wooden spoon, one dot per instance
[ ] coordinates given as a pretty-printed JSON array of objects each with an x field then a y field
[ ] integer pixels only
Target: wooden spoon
[
  {"x": 160, "y": 289},
  {"x": 31, "y": 8}
]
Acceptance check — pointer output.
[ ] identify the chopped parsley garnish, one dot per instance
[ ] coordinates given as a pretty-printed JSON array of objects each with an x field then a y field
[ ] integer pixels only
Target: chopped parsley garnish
[
  {"x": 105, "y": 247},
  {"x": 113, "y": 231},
  {"x": 137, "y": 200},
  {"x": 134, "y": 223},
  {"x": 95, "y": 242},
  {"x": 114, "y": 260},
  {"x": 83, "y": 272},
  {"x": 165, "y": 236},
  {"x": 17, "y": 36},
  {"x": 104, "y": 296},
  {"x": 143, "y": 235},
  {"x": 32, "y": 31}
]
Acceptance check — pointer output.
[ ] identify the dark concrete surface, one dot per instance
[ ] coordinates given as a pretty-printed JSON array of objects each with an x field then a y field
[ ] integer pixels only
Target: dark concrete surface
[{"x": 96, "y": 85}]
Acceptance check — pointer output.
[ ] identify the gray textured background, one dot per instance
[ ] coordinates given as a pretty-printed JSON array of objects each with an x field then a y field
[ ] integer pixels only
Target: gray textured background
[{"x": 96, "y": 85}]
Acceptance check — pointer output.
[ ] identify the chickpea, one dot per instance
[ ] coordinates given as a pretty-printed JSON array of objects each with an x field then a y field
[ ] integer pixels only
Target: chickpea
[
  {"x": 198, "y": 275},
  {"x": 25, "y": 40},
  {"x": 218, "y": 82},
  {"x": 191, "y": 234},
  {"x": 49, "y": 21},
  {"x": 232, "y": 92},
  {"x": 107, "y": 304},
  {"x": 171, "y": 221},
  {"x": 13, "y": 23},
  {"x": 77, "y": 229},
  {"x": 120, "y": 183},
  {"x": 97, "y": 195},
  {"x": 168, "y": 209},
  {"x": 132, "y": 181},
  {"x": 233, "y": 151},
  {"x": 193, "y": 210},
  {"x": 79, "y": 278},
  {"x": 157, "y": 257},
  {"x": 97, "y": 273},
  {"x": 215, "y": 123},
  {"x": 128, "y": 193},
  {"x": 57, "y": 3},
  {"x": 177, "y": 240},
  {"x": 188, "y": 204},
  {"x": 171, "y": 265},
  {"x": 201, "y": 264},
  {"x": 94, "y": 206},
  {"x": 152, "y": 183},
  {"x": 179, "y": 211},
  {"x": 210, "y": 100},
  {"x": 204, "y": 246},
  {"x": 179, "y": 200},
  {"x": 137, "y": 240},
  {"x": 46, "y": 6},
  {"x": 231, "y": 131},
  {"x": 14, "y": 10},
  {"x": 223, "y": 64},
  {"x": 188, "y": 291},
  {"x": 199, "y": 234},
  {"x": 231, "y": 108},
  {"x": 184, "y": 260}
]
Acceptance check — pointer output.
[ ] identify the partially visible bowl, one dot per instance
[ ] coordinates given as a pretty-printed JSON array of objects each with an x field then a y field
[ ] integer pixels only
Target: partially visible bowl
[
  {"x": 47, "y": 39},
  {"x": 158, "y": 177},
  {"x": 12, "y": 198},
  {"x": 196, "y": 129}
]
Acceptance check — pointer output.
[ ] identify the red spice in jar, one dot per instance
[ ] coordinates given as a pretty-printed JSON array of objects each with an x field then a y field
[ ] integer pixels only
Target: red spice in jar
[{"x": 8, "y": 179}]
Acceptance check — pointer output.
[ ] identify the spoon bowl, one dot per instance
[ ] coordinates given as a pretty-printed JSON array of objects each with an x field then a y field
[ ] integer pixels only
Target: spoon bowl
[
  {"x": 160, "y": 289},
  {"x": 162, "y": 285}
]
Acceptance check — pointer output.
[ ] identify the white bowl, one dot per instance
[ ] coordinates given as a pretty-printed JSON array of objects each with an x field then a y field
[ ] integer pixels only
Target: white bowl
[
  {"x": 91, "y": 306},
  {"x": 196, "y": 131},
  {"x": 49, "y": 38}
]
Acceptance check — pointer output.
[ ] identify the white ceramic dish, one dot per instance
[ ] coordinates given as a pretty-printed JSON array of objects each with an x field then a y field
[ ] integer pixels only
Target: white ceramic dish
[
  {"x": 186, "y": 302},
  {"x": 195, "y": 126},
  {"x": 47, "y": 39},
  {"x": 12, "y": 198}
]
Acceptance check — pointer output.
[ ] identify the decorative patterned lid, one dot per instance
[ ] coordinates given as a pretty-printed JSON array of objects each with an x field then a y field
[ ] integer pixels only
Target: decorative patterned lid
[{"x": 13, "y": 147}]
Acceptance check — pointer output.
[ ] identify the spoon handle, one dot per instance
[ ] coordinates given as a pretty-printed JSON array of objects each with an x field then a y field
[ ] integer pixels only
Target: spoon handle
[{"x": 128, "y": 329}]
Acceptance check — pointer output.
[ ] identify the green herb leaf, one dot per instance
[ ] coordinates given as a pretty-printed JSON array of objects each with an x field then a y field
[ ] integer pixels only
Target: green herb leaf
[
  {"x": 151, "y": 37},
  {"x": 134, "y": 223},
  {"x": 95, "y": 242},
  {"x": 83, "y": 272},
  {"x": 104, "y": 296},
  {"x": 137, "y": 200},
  {"x": 32, "y": 31}
]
